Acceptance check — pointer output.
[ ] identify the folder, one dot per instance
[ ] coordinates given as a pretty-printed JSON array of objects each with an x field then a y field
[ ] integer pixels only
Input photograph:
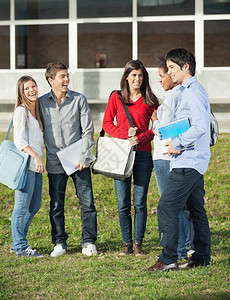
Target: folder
[
  {"x": 70, "y": 156},
  {"x": 174, "y": 129}
]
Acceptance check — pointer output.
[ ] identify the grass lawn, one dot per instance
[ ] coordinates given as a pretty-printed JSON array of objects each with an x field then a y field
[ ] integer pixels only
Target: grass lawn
[{"x": 107, "y": 275}]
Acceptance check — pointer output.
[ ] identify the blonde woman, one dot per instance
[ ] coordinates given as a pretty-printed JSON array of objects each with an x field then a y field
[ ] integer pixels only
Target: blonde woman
[{"x": 28, "y": 199}]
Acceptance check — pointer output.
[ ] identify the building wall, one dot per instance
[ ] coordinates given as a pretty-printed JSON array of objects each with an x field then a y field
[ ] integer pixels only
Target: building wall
[{"x": 75, "y": 31}]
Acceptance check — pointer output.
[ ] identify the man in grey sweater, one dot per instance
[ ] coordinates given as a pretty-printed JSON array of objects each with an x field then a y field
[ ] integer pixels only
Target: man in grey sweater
[{"x": 67, "y": 118}]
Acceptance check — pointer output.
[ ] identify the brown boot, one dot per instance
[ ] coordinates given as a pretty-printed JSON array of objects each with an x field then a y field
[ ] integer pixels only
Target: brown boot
[
  {"x": 138, "y": 249},
  {"x": 127, "y": 249}
]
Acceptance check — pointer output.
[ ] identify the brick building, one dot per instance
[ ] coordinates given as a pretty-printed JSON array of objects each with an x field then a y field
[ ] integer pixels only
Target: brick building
[{"x": 95, "y": 39}]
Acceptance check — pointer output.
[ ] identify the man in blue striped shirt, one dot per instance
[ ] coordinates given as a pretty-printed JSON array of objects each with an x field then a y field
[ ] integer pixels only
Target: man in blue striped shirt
[{"x": 186, "y": 184}]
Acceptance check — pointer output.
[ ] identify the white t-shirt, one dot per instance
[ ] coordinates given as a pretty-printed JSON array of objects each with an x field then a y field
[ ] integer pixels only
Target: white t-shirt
[
  {"x": 20, "y": 134},
  {"x": 165, "y": 114}
]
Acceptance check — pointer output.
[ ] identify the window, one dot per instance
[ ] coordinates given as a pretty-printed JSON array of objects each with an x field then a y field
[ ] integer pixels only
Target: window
[
  {"x": 40, "y": 9},
  {"x": 157, "y": 38},
  {"x": 104, "y": 45},
  {"x": 36, "y": 45},
  {"x": 4, "y": 9},
  {"x": 165, "y": 7},
  {"x": 216, "y": 7},
  {"x": 5, "y": 51},
  {"x": 217, "y": 43},
  {"x": 104, "y": 8}
]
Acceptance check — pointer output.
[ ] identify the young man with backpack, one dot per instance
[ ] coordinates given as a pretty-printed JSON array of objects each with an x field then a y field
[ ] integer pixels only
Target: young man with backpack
[{"x": 186, "y": 183}]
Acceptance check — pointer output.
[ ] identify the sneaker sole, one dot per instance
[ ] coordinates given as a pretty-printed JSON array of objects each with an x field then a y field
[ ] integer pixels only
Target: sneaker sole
[
  {"x": 57, "y": 254},
  {"x": 89, "y": 254}
]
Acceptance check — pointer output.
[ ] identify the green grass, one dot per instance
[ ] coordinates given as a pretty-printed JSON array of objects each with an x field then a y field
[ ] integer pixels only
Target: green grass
[{"x": 108, "y": 276}]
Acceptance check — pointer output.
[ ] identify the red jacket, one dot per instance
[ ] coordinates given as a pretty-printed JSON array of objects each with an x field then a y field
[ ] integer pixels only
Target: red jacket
[{"x": 141, "y": 114}]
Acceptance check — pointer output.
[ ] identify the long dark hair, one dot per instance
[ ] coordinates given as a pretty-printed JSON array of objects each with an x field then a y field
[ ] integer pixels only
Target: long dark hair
[{"x": 146, "y": 92}]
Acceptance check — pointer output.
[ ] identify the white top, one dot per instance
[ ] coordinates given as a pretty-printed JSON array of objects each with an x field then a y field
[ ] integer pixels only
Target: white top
[
  {"x": 20, "y": 134},
  {"x": 165, "y": 114}
]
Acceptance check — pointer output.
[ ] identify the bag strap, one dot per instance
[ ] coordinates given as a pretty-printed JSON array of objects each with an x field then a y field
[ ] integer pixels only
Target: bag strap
[
  {"x": 8, "y": 131},
  {"x": 128, "y": 115}
]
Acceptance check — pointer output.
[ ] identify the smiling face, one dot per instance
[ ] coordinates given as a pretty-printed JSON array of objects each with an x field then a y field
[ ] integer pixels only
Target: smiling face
[
  {"x": 135, "y": 79},
  {"x": 60, "y": 83},
  {"x": 30, "y": 90},
  {"x": 178, "y": 75},
  {"x": 165, "y": 80}
]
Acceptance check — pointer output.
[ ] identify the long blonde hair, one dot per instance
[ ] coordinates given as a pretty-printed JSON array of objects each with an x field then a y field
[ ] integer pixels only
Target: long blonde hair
[{"x": 22, "y": 100}]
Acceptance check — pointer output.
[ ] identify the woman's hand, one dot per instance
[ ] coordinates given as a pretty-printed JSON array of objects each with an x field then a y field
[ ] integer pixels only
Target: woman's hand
[
  {"x": 132, "y": 131},
  {"x": 133, "y": 140},
  {"x": 154, "y": 116},
  {"x": 40, "y": 166}
]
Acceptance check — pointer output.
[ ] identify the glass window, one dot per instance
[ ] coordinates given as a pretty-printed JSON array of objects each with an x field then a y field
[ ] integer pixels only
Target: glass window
[
  {"x": 104, "y": 45},
  {"x": 165, "y": 7},
  {"x": 4, "y": 9},
  {"x": 104, "y": 8},
  {"x": 216, "y": 6},
  {"x": 217, "y": 43},
  {"x": 37, "y": 45},
  {"x": 5, "y": 51},
  {"x": 40, "y": 9},
  {"x": 157, "y": 38}
]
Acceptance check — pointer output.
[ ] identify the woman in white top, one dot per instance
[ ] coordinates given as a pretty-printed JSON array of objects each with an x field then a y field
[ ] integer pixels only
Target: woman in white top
[{"x": 27, "y": 200}]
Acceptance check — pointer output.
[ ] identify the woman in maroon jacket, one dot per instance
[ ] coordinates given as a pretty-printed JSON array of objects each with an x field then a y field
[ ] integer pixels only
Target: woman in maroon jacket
[{"x": 141, "y": 102}]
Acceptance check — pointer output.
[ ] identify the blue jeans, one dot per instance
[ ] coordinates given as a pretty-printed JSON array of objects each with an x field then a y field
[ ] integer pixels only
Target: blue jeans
[
  {"x": 141, "y": 176},
  {"x": 27, "y": 204},
  {"x": 184, "y": 239},
  {"x": 162, "y": 171},
  {"x": 83, "y": 186},
  {"x": 185, "y": 185}
]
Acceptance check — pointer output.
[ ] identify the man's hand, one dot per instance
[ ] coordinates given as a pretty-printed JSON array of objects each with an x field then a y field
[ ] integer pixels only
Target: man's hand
[
  {"x": 81, "y": 166},
  {"x": 171, "y": 149}
]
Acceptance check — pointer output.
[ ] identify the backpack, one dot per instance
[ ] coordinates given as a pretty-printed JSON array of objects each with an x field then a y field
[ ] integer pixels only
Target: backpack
[{"x": 214, "y": 130}]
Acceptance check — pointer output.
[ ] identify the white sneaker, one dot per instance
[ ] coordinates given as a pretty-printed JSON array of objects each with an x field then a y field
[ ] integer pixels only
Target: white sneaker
[
  {"x": 190, "y": 252},
  {"x": 58, "y": 251},
  {"x": 89, "y": 250}
]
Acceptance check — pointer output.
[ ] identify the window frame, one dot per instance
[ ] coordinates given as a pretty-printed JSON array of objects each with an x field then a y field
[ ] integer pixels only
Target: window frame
[{"x": 198, "y": 18}]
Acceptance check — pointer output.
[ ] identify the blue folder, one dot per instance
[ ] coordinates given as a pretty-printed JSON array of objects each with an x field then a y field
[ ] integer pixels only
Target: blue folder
[{"x": 174, "y": 129}]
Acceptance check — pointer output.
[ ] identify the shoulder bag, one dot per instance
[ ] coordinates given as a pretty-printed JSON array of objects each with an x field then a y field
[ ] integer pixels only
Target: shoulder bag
[
  {"x": 115, "y": 157},
  {"x": 13, "y": 163}
]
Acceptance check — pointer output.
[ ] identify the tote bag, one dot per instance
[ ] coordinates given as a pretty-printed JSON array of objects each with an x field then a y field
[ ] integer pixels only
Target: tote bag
[
  {"x": 115, "y": 158},
  {"x": 13, "y": 164}
]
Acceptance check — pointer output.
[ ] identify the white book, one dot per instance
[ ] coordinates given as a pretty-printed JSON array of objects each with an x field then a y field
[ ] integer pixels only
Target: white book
[
  {"x": 70, "y": 156},
  {"x": 164, "y": 149}
]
